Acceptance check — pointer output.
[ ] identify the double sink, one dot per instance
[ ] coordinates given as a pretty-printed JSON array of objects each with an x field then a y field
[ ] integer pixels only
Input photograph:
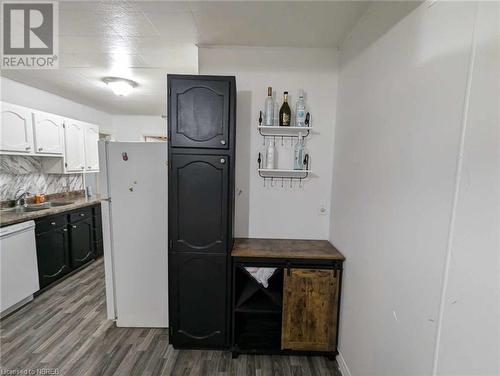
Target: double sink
[{"x": 36, "y": 207}]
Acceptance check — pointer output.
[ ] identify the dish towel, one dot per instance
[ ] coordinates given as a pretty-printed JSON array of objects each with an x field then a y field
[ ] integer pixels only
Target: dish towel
[{"x": 261, "y": 275}]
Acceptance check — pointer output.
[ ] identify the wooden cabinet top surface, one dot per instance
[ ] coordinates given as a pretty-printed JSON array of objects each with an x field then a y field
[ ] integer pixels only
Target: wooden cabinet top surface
[{"x": 286, "y": 248}]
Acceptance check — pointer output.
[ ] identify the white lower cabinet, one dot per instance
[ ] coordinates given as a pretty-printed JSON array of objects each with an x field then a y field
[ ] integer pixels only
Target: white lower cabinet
[
  {"x": 16, "y": 129},
  {"x": 48, "y": 132}
]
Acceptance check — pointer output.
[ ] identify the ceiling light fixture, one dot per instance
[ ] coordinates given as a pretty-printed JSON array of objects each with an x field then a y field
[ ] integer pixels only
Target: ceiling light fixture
[{"x": 120, "y": 86}]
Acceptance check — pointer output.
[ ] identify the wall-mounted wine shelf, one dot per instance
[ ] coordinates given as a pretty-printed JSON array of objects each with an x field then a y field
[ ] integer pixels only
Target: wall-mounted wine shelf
[
  {"x": 282, "y": 131},
  {"x": 277, "y": 131},
  {"x": 280, "y": 173},
  {"x": 283, "y": 174}
]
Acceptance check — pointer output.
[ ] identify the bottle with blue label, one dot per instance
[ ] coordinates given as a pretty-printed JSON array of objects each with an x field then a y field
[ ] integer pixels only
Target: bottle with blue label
[
  {"x": 300, "y": 111},
  {"x": 299, "y": 153}
]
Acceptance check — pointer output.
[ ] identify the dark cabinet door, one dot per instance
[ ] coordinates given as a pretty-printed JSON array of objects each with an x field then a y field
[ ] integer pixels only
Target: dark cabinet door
[
  {"x": 52, "y": 255},
  {"x": 81, "y": 242},
  {"x": 199, "y": 112},
  {"x": 198, "y": 300},
  {"x": 198, "y": 188}
]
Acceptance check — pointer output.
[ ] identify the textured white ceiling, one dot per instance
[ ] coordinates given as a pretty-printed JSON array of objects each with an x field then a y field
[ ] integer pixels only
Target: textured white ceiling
[{"x": 145, "y": 40}]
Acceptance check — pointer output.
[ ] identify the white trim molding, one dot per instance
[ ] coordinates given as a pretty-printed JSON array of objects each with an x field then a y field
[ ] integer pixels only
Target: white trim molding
[{"x": 343, "y": 368}]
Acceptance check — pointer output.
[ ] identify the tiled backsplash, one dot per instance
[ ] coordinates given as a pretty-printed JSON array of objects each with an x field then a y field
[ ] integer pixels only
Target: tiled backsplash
[{"x": 18, "y": 171}]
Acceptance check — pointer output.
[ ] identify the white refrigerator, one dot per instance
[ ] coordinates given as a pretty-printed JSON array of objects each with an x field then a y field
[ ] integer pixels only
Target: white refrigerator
[{"x": 133, "y": 178}]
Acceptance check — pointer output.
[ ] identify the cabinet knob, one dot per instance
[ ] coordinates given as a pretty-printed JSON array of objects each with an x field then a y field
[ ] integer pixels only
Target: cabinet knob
[
  {"x": 65, "y": 229},
  {"x": 73, "y": 226},
  {"x": 82, "y": 214},
  {"x": 223, "y": 142},
  {"x": 89, "y": 167},
  {"x": 222, "y": 160},
  {"x": 82, "y": 167},
  {"x": 28, "y": 147},
  {"x": 53, "y": 223}
]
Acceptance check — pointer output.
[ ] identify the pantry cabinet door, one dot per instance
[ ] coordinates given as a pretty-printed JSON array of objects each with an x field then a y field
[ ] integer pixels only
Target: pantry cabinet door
[
  {"x": 198, "y": 189},
  {"x": 74, "y": 136},
  {"x": 48, "y": 131},
  {"x": 16, "y": 129},
  {"x": 198, "y": 300},
  {"x": 310, "y": 304},
  {"x": 199, "y": 112},
  {"x": 91, "y": 151}
]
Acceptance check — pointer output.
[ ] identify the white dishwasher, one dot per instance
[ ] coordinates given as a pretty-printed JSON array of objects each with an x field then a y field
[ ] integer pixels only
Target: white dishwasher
[{"x": 18, "y": 266}]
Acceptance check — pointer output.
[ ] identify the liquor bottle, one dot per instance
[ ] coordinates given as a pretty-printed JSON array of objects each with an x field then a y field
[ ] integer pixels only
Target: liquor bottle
[
  {"x": 300, "y": 111},
  {"x": 269, "y": 105},
  {"x": 285, "y": 113},
  {"x": 298, "y": 157},
  {"x": 271, "y": 156}
]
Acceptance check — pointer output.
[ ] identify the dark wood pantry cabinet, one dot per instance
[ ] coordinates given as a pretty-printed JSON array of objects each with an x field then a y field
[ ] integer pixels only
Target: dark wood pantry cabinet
[{"x": 201, "y": 133}]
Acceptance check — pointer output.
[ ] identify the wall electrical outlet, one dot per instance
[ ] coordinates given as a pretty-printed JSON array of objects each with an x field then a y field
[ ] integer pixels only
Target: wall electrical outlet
[{"x": 323, "y": 209}]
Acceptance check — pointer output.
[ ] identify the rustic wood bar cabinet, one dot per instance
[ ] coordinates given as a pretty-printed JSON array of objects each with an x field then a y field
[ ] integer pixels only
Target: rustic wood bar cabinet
[{"x": 298, "y": 312}]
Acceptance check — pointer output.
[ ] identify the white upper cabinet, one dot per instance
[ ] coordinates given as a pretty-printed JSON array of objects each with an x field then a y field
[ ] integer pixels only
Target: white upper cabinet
[
  {"x": 91, "y": 151},
  {"x": 16, "y": 129},
  {"x": 48, "y": 131},
  {"x": 74, "y": 133}
]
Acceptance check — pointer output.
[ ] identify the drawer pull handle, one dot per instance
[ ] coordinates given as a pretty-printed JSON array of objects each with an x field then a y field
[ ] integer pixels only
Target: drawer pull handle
[
  {"x": 73, "y": 226},
  {"x": 65, "y": 229},
  {"x": 53, "y": 223},
  {"x": 82, "y": 214}
]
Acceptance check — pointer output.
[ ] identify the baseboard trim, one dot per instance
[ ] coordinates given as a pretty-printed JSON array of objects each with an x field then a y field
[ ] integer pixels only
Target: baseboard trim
[{"x": 344, "y": 370}]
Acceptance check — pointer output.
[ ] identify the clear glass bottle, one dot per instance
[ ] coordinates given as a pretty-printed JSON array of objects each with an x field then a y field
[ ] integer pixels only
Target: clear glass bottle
[
  {"x": 269, "y": 108},
  {"x": 271, "y": 156},
  {"x": 298, "y": 156},
  {"x": 300, "y": 111}
]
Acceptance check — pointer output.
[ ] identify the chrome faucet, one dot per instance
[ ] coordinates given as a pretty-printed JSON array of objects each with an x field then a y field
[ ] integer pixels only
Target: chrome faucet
[{"x": 20, "y": 197}]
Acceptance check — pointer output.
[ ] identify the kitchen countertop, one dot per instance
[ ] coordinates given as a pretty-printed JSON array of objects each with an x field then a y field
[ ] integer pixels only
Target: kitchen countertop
[
  {"x": 286, "y": 248},
  {"x": 77, "y": 202}
]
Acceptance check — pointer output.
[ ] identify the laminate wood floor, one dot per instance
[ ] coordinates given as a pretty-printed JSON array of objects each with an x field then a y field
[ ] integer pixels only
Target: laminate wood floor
[{"x": 64, "y": 331}]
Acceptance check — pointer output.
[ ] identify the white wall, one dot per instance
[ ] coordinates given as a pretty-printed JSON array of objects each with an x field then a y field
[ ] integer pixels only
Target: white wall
[
  {"x": 276, "y": 212},
  {"x": 24, "y": 95},
  {"x": 470, "y": 331},
  {"x": 397, "y": 145},
  {"x": 133, "y": 128}
]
